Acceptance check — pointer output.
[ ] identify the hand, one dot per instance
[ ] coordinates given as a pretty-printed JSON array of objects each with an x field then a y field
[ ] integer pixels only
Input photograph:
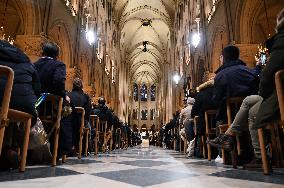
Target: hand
[{"x": 67, "y": 99}]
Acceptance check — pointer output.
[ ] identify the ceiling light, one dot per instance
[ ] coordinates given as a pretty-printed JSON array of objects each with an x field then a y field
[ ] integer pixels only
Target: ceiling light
[
  {"x": 195, "y": 39},
  {"x": 91, "y": 37},
  {"x": 176, "y": 78}
]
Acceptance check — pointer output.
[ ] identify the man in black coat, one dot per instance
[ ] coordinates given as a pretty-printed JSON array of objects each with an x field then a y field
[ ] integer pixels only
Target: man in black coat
[
  {"x": 233, "y": 79},
  {"x": 52, "y": 72},
  {"x": 269, "y": 108}
]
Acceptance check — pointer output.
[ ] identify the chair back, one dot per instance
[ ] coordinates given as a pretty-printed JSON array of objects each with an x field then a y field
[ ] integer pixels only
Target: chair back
[
  {"x": 233, "y": 105},
  {"x": 279, "y": 77},
  {"x": 102, "y": 126},
  {"x": 50, "y": 111},
  {"x": 9, "y": 74},
  {"x": 210, "y": 120},
  {"x": 81, "y": 111}
]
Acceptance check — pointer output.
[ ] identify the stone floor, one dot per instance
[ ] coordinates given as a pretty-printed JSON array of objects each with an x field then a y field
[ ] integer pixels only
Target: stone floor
[{"x": 138, "y": 167}]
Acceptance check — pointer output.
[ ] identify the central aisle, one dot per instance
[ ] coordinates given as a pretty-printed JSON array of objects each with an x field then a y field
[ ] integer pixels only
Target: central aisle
[{"x": 137, "y": 167}]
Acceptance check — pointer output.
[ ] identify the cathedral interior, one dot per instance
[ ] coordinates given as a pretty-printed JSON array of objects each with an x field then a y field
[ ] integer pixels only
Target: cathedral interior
[{"x": 146, "y": 62}]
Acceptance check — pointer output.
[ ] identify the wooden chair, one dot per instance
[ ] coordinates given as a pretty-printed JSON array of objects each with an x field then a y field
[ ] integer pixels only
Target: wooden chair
[
  {"x": 276, "y": 147},
  {"x": 233, "y": 105},
  {"x": 101, "y": 133},
  {"x": 51, "y": 118},
  {"x": 118, "y": 138},
  {"x": 210, "y": 124},
  {"x": 4, "y": 121},
  {"x": 9, "y": 115},
  {"x": 196, "y": 123},
  {"x": 95, "y": 124},
  {"x": 83, "y": 131}
]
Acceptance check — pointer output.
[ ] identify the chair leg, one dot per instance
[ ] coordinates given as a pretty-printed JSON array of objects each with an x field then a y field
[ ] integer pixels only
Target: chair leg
[
  {"x": 111, "y": 142},
  {"x": 64, "y": 158},
  {"x": 25, "y": 145},
  {"x": 2, "y": 131},
  {"x": 223, "y": 156},
  {"x": 80, "y": 143},
  {"x": 203, "y": 147},
  {"x": 96, "y": 144},
  {"x": 87, "y": 143},
  {"x": 234, "y": 157},
  {"x": 279, "y": 147},
  {"x": 209, "y": 155},
  {"x": 263, "y": 152},
  {"x": 55, "y": 148},
  {"x": 274, "y": 146}
]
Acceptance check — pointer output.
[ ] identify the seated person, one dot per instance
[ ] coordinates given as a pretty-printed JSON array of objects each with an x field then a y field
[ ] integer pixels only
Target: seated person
[
  {"x": 246, "y": 114},
  {"x": 52, "y": 73},
  {"x": 26, "y": 89},
  {"x": 233, "y": 79},
  {"x": 80, "y": 99}
]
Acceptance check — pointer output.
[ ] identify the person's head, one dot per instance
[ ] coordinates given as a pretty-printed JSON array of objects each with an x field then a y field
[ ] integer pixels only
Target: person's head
[
  {"x": 229, "y": 53},
  {"x": 280, "y": 21},
  {"x": 50, "y": 49},
  {"x": 77, "y": 84},
  {"x": 102, "y": 101},
  {"x": 190, "y": 101}
]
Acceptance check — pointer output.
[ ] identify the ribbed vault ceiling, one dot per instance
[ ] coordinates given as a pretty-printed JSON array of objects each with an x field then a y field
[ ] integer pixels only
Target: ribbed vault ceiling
[{"x": 145, "y": 65}]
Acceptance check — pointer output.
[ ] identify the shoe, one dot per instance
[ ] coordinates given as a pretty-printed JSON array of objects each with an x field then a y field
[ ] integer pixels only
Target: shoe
[
  {"x": 228, "y": 142},
  {"x": 216, "y": 142},
  {"x": 255, "y": 163},
  {"x": 218, "y": 159}
]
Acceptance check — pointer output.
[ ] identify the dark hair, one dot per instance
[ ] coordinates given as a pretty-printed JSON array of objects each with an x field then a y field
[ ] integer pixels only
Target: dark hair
[
  {"x": 102, "y": 100},
  {"x": 50, "y": 49},
  {"x": 77, "y": 84},
  {"x": 230, "y": 53}
]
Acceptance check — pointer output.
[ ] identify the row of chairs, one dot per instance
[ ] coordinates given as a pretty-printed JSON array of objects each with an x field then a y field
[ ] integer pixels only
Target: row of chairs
[
  {"x": 8, "y": 115},
  {"x": 274, "y": 128}
]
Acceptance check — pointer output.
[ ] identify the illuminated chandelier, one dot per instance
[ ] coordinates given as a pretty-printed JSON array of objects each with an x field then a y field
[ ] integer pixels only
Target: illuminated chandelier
[{"x": 3, "y": 36}]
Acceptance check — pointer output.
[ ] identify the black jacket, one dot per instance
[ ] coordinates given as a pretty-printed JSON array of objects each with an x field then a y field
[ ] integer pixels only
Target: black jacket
[
  {"x": 26, "y": 86},
  {"x": 233, "y": 79},
  {"x": 104, "y": 113},
  {"x": 52, "y": 75},
  {"x": 269, "y": 109},
  {"x": 81, "y": 99}
]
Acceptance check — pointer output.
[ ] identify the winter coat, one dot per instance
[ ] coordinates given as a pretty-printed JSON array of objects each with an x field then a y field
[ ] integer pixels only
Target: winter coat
[
  {"x": 185, "y": 114},
  {"x": 233, "y": 79},
  {"x": 203, "y": 102},
  {"x": 104, "y": 114},
  {"x": 52, "y": 75},
  {"x": 269, "y": 109},
  {"x": 26, "y": 86},
  {"x": 80, "y": 99}
]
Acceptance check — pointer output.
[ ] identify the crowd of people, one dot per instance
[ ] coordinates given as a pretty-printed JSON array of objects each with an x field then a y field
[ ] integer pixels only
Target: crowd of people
[
  {"x": 233, "y": 79},
  {"x": 48, "y": 76}
]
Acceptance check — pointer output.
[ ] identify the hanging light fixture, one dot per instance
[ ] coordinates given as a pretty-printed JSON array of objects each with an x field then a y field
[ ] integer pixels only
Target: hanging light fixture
[{"x": 195, "y": 40}]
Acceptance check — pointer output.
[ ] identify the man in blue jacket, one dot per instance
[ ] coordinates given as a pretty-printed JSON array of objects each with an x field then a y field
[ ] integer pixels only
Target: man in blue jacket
[{"x": 233, "y": 79}]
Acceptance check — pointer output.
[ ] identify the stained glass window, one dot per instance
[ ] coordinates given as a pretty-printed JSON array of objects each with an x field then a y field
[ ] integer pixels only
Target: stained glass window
[
  {"x": 135, "y": 92},
  {"x": 153, "y": 93},
  {"x": 143, "y": 92}
]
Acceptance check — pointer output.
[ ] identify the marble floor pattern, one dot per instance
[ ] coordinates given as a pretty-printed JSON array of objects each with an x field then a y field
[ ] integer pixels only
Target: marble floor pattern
[{"x": 138, "y": 167}]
